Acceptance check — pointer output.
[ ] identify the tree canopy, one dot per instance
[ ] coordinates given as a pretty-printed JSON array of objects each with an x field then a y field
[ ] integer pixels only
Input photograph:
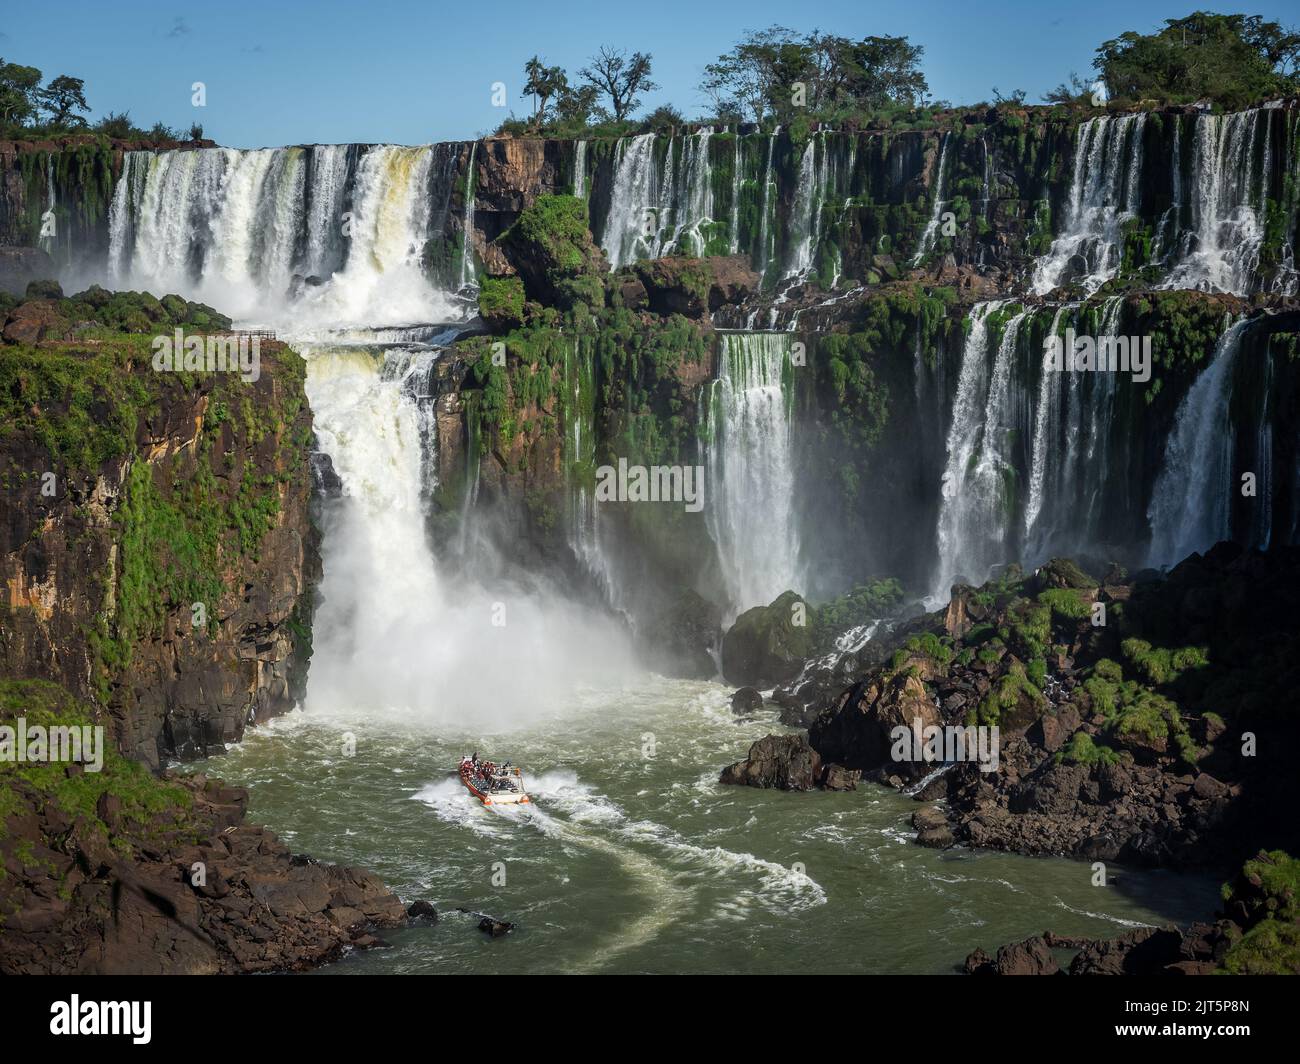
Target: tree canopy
[
  {"x": 776, "y": 72},
  {"x": 1233, "y": 60}
]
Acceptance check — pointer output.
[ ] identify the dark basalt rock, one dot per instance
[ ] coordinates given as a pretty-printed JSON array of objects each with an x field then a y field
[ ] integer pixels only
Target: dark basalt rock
[
  {"x": 421, "y": 913},
  {"x": 785, "y": 762},
  {"x": 119, "y": 897},
  {"x": 747, "y": 700}
]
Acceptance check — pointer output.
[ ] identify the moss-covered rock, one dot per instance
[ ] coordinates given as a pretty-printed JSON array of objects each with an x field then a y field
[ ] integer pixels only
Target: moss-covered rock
[
  {"x": 768, "y": 644},
  {"x": 552, "y": 249}
]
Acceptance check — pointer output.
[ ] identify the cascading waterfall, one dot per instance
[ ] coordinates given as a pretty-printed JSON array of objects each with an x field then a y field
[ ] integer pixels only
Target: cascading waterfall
[
  {"x": 1190, "y": 505},
  {"x": 1220, "y": 239},
  {"x": 978, "y": 480},
  {"x": 749, "y": 470},
  {"x": 391, "y": 632},
  {"x": 656, "y": 210},
  {"x": 241, "y": 229},
  {"x": 1070, "y": 456},
  {"x": 1104, "y": 194},
  {"x": 467, "y": 274},
  {"x": 586, "y": 533},
  {"x": 580, "y": 169},
  {"x": 936, "y": 211}
]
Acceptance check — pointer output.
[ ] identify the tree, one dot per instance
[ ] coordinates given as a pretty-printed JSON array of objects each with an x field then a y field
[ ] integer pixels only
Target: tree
[
  {"x": 1230, "y": 59},
  {"x": 542, "y": 82},
  {"x": 61, "y": 97},
  {"x": 620, "y": 77},
  {"x": 777, "y": 72},
  {"x": 758, "y": 74},
  {"x": 579, "y": 106},
  {"x": 19, "y": 88}
]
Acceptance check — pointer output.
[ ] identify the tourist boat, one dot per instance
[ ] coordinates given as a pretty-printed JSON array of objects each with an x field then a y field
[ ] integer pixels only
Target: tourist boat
[{"x": 493, "y": 784}]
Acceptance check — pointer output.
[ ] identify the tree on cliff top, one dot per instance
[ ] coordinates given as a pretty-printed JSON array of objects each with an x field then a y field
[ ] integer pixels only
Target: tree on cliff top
[
  {"x": 620, "y": 77},
  {"x": 542, "y": 82},
  {"x": 19, "y": 89},
  {"x": 775, "y": 72},
  {"x": 1229, "y": 59}
]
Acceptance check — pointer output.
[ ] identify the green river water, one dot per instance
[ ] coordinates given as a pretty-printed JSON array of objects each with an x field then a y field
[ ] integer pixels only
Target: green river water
[{"x": 636, "y": 863}]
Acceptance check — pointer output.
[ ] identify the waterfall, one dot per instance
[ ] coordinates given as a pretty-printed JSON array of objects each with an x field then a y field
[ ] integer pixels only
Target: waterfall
[
  {"x": 586, "y": 534},
  {"x": 737, "y": 166},
  {"x": 328, "y": 188},
  {"x": 49, "y": 237},
  {"x": 392, "y": 633},
  {"x": 580, "y": 169},
  {"x": 936, "y": 211},
  {"x": 749, "y": 467},
  {"x": 630, "y": 199},
  {"x": 1218, "y": 250},
  {"x": 1190, "y": 504},
  {"x": 978, "y": 490},
  {"x": 657, "y": 209},
  {"x": 1261, "y": 531},
  {"x": 241, "y": 229},
  {"x": 1070, "y": 455},
  {"x": 799, "y": 260},
  {"x": 765, "y": 251},
  {"x": 1104, "y": 194},
  {"x": 467, "y": 274}
]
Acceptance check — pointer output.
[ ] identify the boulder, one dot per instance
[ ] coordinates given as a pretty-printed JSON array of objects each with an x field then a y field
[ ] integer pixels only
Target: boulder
[
  {"x": 766, "y": 646},
  {"x": 785, "y": 762},
  {"x": 860, "y": 734},
  {"x": 34, "y": 321},
  {"x": 839, "y": 778},
  {"x": 747, "y": 700}
]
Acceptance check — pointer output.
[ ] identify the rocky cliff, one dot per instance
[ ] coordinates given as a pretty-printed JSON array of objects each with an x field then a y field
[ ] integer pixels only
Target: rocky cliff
[{"x": 158, "y": 552}]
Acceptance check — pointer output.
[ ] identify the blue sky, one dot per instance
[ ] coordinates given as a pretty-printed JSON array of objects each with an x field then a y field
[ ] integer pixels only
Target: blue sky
[{"x": 409, "y": 72}]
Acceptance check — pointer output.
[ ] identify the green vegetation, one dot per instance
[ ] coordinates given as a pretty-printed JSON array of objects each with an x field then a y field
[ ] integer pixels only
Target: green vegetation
[
  {"x": 29, "y": 110},
  {"x": 1234, "y": 60},
  {"x": 1267, "y": 890},
  {"x": 558, "y": 259},
  {"x": 1081, "y": 750},
  {"x": 76, "y": 794},
  {"x": 862, "y": 605}
]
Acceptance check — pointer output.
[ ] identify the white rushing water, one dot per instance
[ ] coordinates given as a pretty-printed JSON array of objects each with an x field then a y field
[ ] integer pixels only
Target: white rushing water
[
  {"x": 1190, "y": 505},
  {"x": 749, "y": 470},
  {"x": 392, "y": 633},
  {"x": 657, "y": 206},
  {"x": 936, "y": 210},
  {"x": 975, "y": 510},
  {"x": 243, "y": 230},
  {"x": 1104, "y": 194},
  {"x": 1219, "y": 248}
]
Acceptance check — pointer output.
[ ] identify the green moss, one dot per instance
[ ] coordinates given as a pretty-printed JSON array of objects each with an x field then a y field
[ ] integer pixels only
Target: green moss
[
  {"x": 1162, "y": 665},
  {"x": 1081, "y": 750},
  {"x": 142, "y": 796}
]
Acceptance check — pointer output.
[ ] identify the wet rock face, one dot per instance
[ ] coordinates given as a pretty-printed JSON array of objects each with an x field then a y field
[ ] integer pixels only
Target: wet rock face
[
  {"x": 186, "y": 682},
  {"x": 122, "y": 898},
  {"x": 860, "y": 733},
  {"x": 693, "y": 287}
]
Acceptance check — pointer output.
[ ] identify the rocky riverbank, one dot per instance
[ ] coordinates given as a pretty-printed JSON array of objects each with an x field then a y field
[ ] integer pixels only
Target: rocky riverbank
[
  {"x": 1161, "y": 737},
  {"x": 123, "y": 872},
  {"x": 1256, "y": 933}
]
